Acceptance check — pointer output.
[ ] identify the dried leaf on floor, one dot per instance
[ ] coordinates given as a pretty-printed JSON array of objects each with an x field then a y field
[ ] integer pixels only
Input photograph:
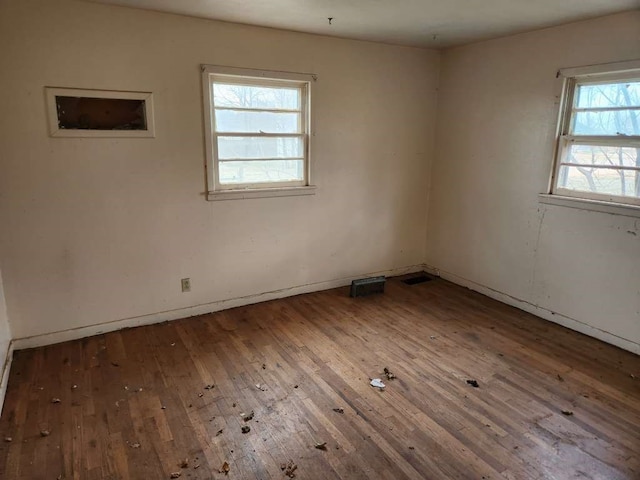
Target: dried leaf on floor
[
  {"x": 247, "y": 416},
  {"x": 55, "y": 400},
  {"x": 201, "y": 394},
  {"x": 388, "y": 374},
  {"x": 568, "y": 413},
  {"x": 260, "y": 387},
  {"x": 338, "y": 410},
  {"x": 219, "y": 432},
  {"x": 289, "y": 468},
  {"x": 225, "y": 468},
  {"x": 264, "y": 367},
  {"x": 209, "y": 387},
  {"x": 8, "y": 439},
  {"x": 115, "y": 364},
  {"x": 176, "y": 475},
  {"x": 321, "y": 446},
  {"x": 560, "y": 378},
  {"x": 473, "y": 383},
  {"x": 45, "y": 433},
  {"x": 135, "y": 445},
  {"x": 184, "y": 463},
  {"x": 246, "y": 429}
]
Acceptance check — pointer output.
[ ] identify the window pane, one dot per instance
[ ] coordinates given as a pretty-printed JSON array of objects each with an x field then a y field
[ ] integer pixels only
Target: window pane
[
  {"x": 600, "y": 180},
  {"x": 621, "y": 94},
  {"x": 618, "y": 122},
  {"x": 261, "y": 171},
  {"x": 597, "y": 155},
  {"x": 245, "y": 96},
  {"x": 256, "y": 122},
  {"x": 260, "y": 147}
]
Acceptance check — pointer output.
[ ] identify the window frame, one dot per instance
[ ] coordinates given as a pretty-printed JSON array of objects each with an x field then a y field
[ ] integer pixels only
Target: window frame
[
  {"x": 245, "y": 76},
  {"x": 571, "y": 79}
]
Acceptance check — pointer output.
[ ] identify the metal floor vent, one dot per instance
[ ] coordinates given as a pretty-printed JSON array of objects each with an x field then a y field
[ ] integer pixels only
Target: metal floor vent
[
  {"x": 423, "y": 277},
  {"x": 367, "y": 286}
]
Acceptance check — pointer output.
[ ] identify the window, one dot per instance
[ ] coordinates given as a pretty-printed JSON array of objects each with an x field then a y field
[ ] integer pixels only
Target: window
[
  {"x": 598, "y": 151},
  {"x": 257, "y": 129}
]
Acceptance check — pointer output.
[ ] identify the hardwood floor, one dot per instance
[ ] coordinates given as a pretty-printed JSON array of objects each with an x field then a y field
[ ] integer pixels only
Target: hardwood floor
[{"x": 133, "y": 404}]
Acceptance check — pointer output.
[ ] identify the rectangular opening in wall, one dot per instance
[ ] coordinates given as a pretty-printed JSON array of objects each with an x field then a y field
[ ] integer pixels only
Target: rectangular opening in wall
[{"x": 99, "y": 113}]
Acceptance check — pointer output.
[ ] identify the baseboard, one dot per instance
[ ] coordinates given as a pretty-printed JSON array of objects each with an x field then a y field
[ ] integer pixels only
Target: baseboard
[
  {"x": 538, "y": 311},
  {"x": 4, "y": 379},
  {"x": 158, "y": 317}
]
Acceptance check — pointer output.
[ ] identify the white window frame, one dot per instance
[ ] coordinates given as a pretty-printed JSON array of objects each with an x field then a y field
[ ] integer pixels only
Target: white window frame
[
  {"x": 244, "y": 76},
  {"x": 572, "y": 77}
]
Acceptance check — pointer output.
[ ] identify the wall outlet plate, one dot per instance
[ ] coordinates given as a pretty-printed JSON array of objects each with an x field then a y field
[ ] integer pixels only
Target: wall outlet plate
[{"x": 186, "y": 284}]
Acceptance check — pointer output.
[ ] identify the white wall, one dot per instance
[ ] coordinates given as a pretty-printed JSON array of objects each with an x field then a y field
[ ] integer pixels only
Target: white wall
[
  {"x": 97, "y": 230},
  {"x": 497, "y": 112}
]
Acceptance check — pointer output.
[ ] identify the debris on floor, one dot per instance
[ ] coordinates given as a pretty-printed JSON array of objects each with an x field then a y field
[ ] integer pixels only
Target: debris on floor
[
  {"x": 135, "y": 445},
  {"x": 219, "y": 432},
  {"x": 176, "y": 475},
  {"x": 289, "y": 468},
  {"x": 321, "y": 446},
  {"x": 473, "y": 383},
  {"x": 376, "y": 382},
  {"x": 260, "y": 387},
  {"x": 184, "y": 463},
  {"x": 560, "y": 378},
  {"x": 388, "y": 374},
  {"x": 74, "y": 386},
  {"x": 55, "y": 400},
  {"x": 45, "y": 433},
  {"x": 412, "y": 448},
  {"x": 264, "y": 366},
  {"x": 8, "y": 439},
  {"x": 432, "y": 337},
  {"x": 338, "y": 410},
  {"x": 115, "y": 364},
  {"x": 246, "y": 429},
  {"x": 247, "y": 416},
  {"x": 209, "y": 387},
  {"x": 225, "y": 468},
  {"x": 201, "y": 394},
  {"x": 196, "y": 466},
  {"x": 568, "y": 413}
]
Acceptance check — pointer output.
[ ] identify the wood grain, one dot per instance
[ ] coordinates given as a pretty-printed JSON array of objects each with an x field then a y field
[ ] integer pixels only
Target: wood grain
[{"x": 139, "y": 406}]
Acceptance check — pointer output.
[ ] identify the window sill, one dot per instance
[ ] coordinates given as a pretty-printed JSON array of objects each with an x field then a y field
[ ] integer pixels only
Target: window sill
[
  {"x": 591, "y": 205},
  {"x": 260, "y": 193}
]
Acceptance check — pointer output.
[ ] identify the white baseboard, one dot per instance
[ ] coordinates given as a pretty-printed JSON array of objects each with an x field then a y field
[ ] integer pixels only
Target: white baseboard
[
  {"x": 538, "y": 311},
  {"x": 4, "y": 379},
  {"x": 82, "y": 332}
]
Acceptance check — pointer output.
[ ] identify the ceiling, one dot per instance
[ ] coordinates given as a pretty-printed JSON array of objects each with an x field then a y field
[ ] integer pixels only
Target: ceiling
[{"x": 424, "y": 23}]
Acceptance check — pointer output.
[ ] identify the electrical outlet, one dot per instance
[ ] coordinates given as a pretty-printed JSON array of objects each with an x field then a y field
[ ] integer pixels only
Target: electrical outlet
[{"x": 186, "y": 284}]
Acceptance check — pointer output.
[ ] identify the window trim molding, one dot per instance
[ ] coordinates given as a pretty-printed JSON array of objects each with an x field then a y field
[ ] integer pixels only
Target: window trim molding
[
  {"x": 244, "y": 191},
  {"x": 578, "y": 199}
]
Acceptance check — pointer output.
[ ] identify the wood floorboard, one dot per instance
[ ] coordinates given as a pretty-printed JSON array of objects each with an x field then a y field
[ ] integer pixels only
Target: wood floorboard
[{"x": 133, "y": 403}]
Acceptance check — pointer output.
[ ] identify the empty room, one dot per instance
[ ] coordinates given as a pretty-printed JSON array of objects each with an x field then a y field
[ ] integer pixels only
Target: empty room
[{"x": 264, "y": 240}]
